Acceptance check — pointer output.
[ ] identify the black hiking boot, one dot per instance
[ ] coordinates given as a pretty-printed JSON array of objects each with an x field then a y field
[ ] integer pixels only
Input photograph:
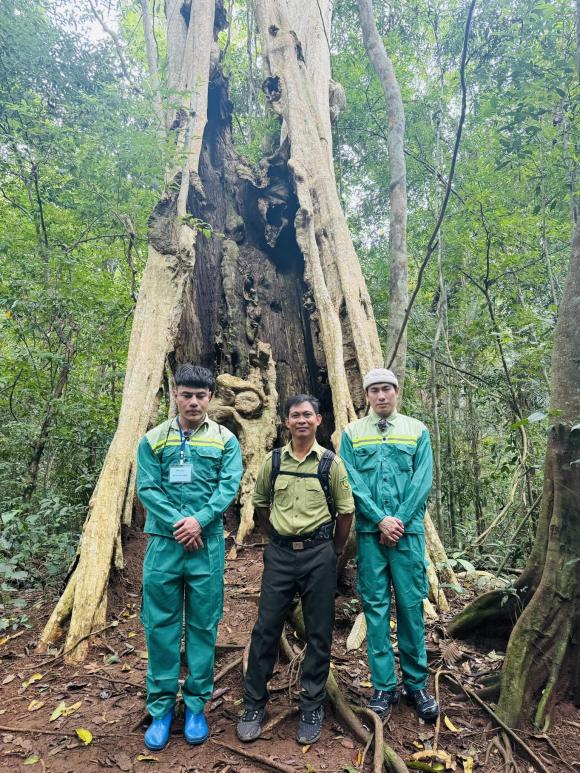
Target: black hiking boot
[
  {"x": 249, "y": 725},
  {"x": 425, "y": 705},
  {"x": 310, "y": 726},
  {"x": 383, "y": 701}
]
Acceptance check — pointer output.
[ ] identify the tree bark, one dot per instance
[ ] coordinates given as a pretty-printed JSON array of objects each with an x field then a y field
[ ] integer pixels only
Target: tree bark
[
  {"x": 297, "y": 87},
  {"x": 399, "y": 294}
]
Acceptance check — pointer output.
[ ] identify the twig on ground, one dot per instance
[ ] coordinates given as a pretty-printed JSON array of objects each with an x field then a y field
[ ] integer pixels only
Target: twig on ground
[
  {"x": 534, "y": 757},
  {"x": 226, "y": 669},
  {"x": 114, "y": 624},
  {"x": 269, "y": 726},
  {"x": 438, "y": 721},
  {"x": 261, "y": 759},
  {"x": 35, "y": 730},
  {"x": 143, "y": 718},
  {"x": 544, "y": 737},
  {"x": 246, "y": 658},
  {"x": 365, "y": 750}
]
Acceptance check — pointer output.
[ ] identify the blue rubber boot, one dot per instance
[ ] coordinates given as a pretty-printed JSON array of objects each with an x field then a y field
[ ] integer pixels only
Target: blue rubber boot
[
  {"x": 195, "y": 729},
  {"x": 157, "y": 734}
]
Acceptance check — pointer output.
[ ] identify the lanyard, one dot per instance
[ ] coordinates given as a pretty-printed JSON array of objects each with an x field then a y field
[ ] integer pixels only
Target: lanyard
[{"x": 183, "y": 438}]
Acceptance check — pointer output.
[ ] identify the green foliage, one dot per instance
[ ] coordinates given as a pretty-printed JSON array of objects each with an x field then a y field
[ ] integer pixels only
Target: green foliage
[{"x": 79, "y": 173}]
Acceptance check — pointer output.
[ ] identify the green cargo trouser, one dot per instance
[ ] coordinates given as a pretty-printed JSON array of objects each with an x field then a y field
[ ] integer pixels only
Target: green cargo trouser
[
  {"x": 312, "y": 573},
  {"x": 170, "y": 575},
  {"x": 404, "y": 566}
]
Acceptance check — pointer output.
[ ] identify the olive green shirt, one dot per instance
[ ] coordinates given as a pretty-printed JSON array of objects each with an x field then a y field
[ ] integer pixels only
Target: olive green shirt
[{"x": 299, "y": 504}]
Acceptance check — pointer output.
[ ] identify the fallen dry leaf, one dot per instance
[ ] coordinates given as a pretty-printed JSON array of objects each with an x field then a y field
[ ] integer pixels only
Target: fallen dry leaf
[
  {"x": 57, "y": 711},
  {"x": 85, "y": 735},
  {"x": 357, "y": 633},
  {"x": 437, "y": 756},
  {"x": 35, "y": 705},
  {"x": 31, "y": 680},
  {"x": 68, "y": 710},
  {"x": 450, "y": 726}
]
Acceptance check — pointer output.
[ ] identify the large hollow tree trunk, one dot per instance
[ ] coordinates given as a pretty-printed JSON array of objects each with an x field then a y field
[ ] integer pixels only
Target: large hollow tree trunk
[
  {"x": 544, "y": 637},
  {"x": 272, "y": 300}
]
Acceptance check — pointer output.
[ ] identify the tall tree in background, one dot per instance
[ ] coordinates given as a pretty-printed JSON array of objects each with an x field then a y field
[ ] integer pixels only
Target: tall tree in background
[{"x": 398, "y": 263}]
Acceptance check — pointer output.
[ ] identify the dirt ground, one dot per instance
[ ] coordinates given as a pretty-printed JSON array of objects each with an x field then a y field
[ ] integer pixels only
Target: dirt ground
[{"x": 106, "y": 696}]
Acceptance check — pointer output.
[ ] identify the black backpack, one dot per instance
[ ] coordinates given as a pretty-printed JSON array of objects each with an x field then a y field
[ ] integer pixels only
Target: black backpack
[{"x": 323, "y": 475}]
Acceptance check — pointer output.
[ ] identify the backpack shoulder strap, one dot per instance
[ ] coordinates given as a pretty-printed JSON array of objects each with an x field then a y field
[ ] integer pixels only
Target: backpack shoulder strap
[
  {"x": 276, "y": 461},
  {"x": 324, "y": 467}
]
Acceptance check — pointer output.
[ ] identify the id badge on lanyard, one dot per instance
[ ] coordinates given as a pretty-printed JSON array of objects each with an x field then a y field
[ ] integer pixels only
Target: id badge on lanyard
[{"x": 182, "y": 472}]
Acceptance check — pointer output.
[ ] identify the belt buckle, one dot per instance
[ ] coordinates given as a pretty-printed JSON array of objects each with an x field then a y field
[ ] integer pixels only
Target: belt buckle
[{"x": 297, "y": 546}]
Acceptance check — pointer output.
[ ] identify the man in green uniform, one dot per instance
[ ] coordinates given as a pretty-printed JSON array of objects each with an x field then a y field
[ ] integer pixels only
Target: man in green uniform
[
  {"x": 390, "y": 464},
  {"x": 189, "y": 470},
  {"x": 301, "y": 557}
]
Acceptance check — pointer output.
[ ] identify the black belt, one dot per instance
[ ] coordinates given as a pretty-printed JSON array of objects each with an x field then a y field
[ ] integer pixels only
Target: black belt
[{"x": 310, "y": 539}]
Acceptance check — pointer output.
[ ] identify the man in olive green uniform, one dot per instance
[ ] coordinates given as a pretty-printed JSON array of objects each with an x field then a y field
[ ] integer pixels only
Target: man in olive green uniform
[
  {"x": 390, "y": 464},
  {"x": 189, "y": 470},
  {"x": 301, "y": 557}
]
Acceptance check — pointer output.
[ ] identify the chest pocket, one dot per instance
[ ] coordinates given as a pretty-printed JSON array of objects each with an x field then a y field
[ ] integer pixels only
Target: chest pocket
[
  {"x": 209, "y": 460},
  {"x": 366, "y": 458},
  {"x": 281, "y": 492},
  {"x": 314, "y": 493},
  {"x": 403, "y": 455}
]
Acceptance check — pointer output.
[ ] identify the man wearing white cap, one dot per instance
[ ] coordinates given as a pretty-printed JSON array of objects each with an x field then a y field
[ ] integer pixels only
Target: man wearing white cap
[{"x": 390, "y": 466}]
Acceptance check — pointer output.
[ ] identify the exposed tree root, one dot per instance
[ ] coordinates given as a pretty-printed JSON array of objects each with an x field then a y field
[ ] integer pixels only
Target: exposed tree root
[
  {"x": 261, "y": 759},
  {"x": 379, "y": 753},
  {"x": 64, "y": 653},
  {"x": 488, "y": 611}
]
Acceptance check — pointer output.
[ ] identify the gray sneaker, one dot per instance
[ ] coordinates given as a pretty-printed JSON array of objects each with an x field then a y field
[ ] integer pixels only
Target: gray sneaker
[
  {"x": 310, "y": 725},
  {"x": 249, "y": 725}
]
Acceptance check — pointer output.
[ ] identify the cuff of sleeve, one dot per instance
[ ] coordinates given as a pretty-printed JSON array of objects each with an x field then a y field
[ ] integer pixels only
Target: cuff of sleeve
[
  {"x": 402, "y": 516},
  {"x": 257, "y": 502},
  {"x": 376, "y": 516},
  {"x": 203, "y": 516}
]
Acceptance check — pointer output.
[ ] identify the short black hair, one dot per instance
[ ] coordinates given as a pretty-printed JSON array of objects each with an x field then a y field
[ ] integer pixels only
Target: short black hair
[
  {"x": 194, "y": 376},
  {"x": 297, "y": 399}
]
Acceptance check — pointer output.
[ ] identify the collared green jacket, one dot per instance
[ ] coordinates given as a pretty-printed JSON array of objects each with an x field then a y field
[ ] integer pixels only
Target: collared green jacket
[
  {"x": 391, "y": 472},
  {"x": 216, "y": 459}
]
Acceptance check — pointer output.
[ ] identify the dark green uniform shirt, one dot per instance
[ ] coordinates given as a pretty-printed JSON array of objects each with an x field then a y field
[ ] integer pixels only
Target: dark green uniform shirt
[
  {"x": 391, "y": 471},
  {"x": 216, "y": 459}
]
